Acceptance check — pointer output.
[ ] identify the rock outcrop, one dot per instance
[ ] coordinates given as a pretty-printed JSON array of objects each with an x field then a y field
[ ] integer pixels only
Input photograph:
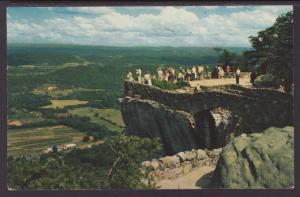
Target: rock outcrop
[
  {"x": 150, "y": 119},
  {"x": 258, "y": 160},
  {"x": 204, "y": 119}
]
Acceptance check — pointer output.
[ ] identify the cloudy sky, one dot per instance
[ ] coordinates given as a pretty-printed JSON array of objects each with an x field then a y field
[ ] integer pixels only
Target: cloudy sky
[{"x": 141, "y": 26}]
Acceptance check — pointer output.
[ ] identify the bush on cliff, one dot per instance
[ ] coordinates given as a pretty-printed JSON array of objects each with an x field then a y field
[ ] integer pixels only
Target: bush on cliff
[
  {"x": 167, "y": 85},
  {"x": 268, "y": 81}
]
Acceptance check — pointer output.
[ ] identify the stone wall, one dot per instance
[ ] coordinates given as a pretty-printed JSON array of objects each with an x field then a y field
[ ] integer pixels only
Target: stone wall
[{"x": 172, "y": 167}]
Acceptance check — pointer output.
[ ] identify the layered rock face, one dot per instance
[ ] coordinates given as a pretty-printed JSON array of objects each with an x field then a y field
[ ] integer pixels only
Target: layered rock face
[
  {"x": 260, "y": 160},
  {"x": 150, "y": 119},
  {"x": 204, "y": 119}
]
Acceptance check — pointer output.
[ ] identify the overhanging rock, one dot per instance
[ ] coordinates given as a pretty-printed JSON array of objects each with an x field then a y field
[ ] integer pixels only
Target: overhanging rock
[{"x": 204, "y": 119}]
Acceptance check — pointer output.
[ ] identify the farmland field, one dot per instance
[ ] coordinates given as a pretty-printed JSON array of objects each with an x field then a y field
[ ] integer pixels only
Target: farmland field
[
  {"x": 35, "y": 140},
  {"x": 64, "y": 103},
  {"x": 111, "y": 118}
]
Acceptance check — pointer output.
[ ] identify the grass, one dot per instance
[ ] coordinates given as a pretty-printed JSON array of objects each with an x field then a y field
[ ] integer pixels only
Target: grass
[
  {"x": 111, "y": 118},
  {"x": 34, "y": 140},
  {"x": 63, "y": 103}
]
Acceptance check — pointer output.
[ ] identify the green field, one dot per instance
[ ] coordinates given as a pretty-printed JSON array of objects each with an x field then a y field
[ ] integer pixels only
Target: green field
[
  {"x": 111, "y": 118},
  {"x": 63, "y": 103},
  {"x": 34, "y": 140}
]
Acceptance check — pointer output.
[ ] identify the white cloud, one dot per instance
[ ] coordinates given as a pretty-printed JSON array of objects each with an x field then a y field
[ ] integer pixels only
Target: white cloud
[
  {"x": 210, "y": 7},
  {"x": 91, "y": 10},
  {"x": 175, "y": 26},
  {"x": 234, "y": 7}
]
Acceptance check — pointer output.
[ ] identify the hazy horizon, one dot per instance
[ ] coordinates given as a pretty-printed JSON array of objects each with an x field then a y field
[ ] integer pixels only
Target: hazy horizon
[{"x": 96, "y": 45}]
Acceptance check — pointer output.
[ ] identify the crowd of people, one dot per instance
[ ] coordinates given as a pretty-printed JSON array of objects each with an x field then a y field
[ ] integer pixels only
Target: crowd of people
[{"x": 194, "y": 73}]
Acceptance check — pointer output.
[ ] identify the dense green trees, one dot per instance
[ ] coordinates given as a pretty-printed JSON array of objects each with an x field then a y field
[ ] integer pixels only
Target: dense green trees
[
  {"x": 113, "y": 164},
  {"x": 26, "y": 101},
  {"x": 231, "y": 59},
  {"x": 273, "y": 50}
]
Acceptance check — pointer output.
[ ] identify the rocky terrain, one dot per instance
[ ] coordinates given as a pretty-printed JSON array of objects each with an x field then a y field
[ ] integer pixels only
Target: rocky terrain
[
  {"x": 227, "y": 136},
  {"x": 205, "y": 118},
  {"x": 258, "y": 160}
]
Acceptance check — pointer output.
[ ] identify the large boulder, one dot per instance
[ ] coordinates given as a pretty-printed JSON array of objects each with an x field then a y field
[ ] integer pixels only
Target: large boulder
[{"x": 258, "y": 160}]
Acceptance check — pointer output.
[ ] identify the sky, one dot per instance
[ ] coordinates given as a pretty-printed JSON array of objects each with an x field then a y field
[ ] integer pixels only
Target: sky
[{"x": 199, "y": 26}]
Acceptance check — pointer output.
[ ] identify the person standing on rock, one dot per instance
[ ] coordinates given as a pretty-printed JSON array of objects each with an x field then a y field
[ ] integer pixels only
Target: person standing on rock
[
  {"x": 172, "y": 74},
  {"x": 252, "y": 77},
  {"x": 215, "y": 73},
  {"x": 166, "y": 75},
  {"x": 189, "y": 74},
  {"x": 200, "y": 72},
  {"x": 147, "y": 78},
  {"x": 206, "y": 70},
  {"x": 129, "y": 76},
  {"x": 221, "y": 71},
  {"x": 237, "y": 75},
  {"x": 194, "y": 73},
  {"x": 180, "y": 76},
  {"x": 281, "y": 85},
  {"x": 227, "y": 70},
  {"x": 139, "y": 75},
  {"x": 160, "y": 74}
]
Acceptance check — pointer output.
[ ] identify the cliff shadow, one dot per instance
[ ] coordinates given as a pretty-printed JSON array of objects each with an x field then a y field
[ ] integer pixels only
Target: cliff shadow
[
  {"x": 205, "y": 129},
  {"x": 205, "y": 181}
]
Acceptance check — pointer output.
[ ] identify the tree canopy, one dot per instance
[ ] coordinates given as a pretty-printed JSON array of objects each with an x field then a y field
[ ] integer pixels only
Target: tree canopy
[
  {"x": 115, "y": 164},
  {"x": 273, "y": 50}
]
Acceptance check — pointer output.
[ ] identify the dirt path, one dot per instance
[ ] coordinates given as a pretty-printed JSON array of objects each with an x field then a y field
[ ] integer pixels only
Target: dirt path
[{"x": 196, "y": 179}]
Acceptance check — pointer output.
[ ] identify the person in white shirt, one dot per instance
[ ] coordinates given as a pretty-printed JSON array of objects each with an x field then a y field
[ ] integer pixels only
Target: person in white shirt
[
  {"x": 237, "y": 75},
  {"x": 194, "y": 73},
  {"x": 129, "y": 76},
  {"x": 139, "y": 75},
  {"x": 180, "y": 76},
  {"x": 200, "y": 72},
  {"x": 221, "y": 72}
]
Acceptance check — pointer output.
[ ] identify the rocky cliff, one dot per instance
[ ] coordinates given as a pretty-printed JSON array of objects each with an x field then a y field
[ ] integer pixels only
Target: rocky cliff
[
  {"x": 260, "y": 160},
  {"x": 204, "y": 119}
]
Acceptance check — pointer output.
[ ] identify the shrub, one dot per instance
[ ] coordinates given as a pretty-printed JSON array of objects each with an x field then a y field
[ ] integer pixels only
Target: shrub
[
  {"x": 181, "y": 84},
  {"x": 267, "y": 80},
  {"x": 166, "y": 85}
]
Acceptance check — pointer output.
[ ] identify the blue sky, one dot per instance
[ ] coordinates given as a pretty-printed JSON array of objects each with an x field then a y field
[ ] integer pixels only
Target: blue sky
[{"x": 207, "y": 26}]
